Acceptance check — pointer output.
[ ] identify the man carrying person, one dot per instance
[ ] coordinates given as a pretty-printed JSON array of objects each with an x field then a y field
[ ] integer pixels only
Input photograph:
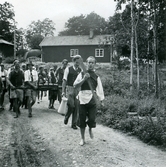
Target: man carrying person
[
  {"x": 16, "y": 81},
  {"x": 31, "y": 79},
  {"x": 70, "y": 92}
]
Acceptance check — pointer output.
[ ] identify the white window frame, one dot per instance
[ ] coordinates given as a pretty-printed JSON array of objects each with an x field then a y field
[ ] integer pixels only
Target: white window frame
[
  {"x": 99, "y": 52},
  {"x": 74, "y": 52}
]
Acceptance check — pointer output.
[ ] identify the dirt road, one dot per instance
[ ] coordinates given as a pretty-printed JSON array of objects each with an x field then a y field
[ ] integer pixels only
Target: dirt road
[{"x": 44, "y": 141}]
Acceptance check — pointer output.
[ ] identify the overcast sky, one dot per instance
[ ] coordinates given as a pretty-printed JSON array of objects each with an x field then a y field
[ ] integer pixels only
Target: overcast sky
[{"x": 59, "y": 11}]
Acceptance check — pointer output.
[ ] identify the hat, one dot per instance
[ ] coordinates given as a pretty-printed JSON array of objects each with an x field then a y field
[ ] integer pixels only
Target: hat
[
  {"x": 76, "y": 57},
  {"x": 2, "y": 64},
  {"x": 0, "y": 57},
  {"x": 15, "y": 61},
  {"x": 30, "y": 63},
  {"x": 64, "y": 60},
  {"x": 51, "y": 68}
]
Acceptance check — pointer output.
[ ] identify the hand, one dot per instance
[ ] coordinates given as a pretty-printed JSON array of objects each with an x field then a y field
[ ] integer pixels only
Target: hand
[
  {"x": 63, "y": 94},
  {"x": 102, "y": 103},
  {"x": 86, "y": 76},
  {"x": 12, "y": 87}
]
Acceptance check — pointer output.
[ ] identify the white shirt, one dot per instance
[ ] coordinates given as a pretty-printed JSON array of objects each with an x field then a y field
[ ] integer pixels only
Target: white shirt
[
  {"x": 86, "y": 95},
  {"x": 66, "y": 72},
  {"x": 27, "y": 75},
  {"x": 3, "y": 74}
]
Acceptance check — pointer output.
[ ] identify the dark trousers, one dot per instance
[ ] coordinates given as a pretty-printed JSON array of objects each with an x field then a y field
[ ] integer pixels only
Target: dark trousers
[
  {"x": 87, "y": 114},
  {"x": 73, "y": 111}
]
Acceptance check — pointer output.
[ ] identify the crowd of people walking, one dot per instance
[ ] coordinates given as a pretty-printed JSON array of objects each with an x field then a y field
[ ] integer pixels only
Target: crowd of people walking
[{"x": 80, "y": 87}]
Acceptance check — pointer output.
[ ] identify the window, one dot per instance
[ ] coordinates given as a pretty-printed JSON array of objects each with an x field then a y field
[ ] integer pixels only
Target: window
[
  {"x": 99, "y": 52},
  {"x": 73, "y": 52}
]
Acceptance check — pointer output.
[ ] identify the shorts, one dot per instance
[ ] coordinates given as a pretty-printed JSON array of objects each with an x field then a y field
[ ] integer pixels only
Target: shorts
[
  {"x": 31, "y": 93},
  {"x": 87, "y": 114},
  {"x": 53, "y": 94},
  {"x": 18, "y": 93}
]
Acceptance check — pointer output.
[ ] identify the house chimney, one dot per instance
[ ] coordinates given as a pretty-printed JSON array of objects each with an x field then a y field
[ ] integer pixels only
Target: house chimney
[{"x": 91, "y": 34}]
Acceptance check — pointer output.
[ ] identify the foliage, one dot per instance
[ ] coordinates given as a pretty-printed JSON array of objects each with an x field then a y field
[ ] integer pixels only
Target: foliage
[
  {"x": 35, "y": 41},
  {"x": 141, "y": 115},
  {"x": 6, "y": 21},
  {"x": 81, "y": 25},
  {"x": 39, "y": 30}
]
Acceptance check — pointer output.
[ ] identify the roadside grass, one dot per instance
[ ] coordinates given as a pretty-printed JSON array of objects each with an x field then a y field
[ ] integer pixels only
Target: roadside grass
[{"x": 141, "y": 114}]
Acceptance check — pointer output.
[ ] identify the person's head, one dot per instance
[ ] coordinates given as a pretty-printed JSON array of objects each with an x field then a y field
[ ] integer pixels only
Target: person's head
[
  {"x": 64, "y": 63},
  {"x": 55, "y": 67},
  {"x": 76, "y": 61},
  {"x": 30, "y": 65},
  {"x": 23, "y": 67},
  {"x": 0, "y": 59},
  {"x": 17, "y": 66},
  {"x": 91, "y": 62},
  {"x": 52, "y": 69},
  {"x": 41, "y": 69},
  {"x": 2, "y": 67}
]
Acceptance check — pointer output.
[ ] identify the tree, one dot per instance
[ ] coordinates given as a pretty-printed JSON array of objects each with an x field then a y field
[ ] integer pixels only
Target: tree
[
  {"x": 81, "y": 25},
  {"x": 6, "y": 21},
  {"x": 39, "y": 30},
  {"x": 35, "y": 41}
]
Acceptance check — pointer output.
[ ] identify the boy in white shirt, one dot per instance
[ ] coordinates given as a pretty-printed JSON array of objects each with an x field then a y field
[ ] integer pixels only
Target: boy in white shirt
[
  {"x": 88, "y": 105},
  {"x": 31, "y": 79}
]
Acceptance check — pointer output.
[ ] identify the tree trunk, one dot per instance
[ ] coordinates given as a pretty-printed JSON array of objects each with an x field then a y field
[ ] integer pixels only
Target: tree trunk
[
  {"x": 132, "y": 47},
  {"x": 155, "y": 49}
]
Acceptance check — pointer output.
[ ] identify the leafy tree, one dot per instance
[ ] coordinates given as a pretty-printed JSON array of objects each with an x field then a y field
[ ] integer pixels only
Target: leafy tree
[
  {"x": 6, "y": 21},
  {"x": 80, "y": 25},
  {"x": 35, "y": 41},
  {"x": 39, "y": 30}
]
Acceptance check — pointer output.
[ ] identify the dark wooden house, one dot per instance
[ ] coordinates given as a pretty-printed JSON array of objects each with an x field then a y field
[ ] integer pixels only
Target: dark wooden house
[
  {"x": 6, "y": 48},
  {"x": 55, "y": 49}
]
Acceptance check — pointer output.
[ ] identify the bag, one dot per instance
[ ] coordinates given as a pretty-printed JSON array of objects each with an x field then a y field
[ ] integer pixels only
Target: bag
[{"x": 63, "y": 106}]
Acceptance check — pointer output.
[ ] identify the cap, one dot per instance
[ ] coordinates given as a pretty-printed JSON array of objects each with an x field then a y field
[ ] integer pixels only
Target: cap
[
  {"x": 76, "y": 57},
  {"x": 64, "y": 60},
  {"x": 15, "y": 61}
]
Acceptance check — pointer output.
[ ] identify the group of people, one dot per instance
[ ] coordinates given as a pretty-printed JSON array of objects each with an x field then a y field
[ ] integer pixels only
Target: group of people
[
  {"x": 82, "y": 88},
  {"x": 21, "y": 81}
]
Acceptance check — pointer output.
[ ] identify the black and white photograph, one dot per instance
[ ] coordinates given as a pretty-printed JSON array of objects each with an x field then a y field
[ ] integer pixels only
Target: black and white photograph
[{"x": 82, "y": 83}]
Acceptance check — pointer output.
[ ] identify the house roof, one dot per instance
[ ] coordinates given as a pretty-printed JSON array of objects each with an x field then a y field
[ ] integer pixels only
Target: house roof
[
  {"x": 74, "y": 40},
  {"x": 5, "y": 42}
]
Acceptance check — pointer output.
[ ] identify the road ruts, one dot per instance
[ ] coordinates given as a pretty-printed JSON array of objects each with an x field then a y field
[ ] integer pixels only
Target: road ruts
[{"x": 26, "y": 148}]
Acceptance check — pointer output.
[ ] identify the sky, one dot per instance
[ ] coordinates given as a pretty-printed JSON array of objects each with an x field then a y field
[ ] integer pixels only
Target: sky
[{"x": 59, "y": 11}]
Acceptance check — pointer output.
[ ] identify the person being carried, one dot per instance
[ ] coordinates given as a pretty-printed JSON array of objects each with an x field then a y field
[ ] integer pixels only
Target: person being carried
[
  {"x": 70, "y": 74},
  {"x": 31, "y": 79},
  {"x": 87, "y": 98},
  {"x": 16, "y": 81}
]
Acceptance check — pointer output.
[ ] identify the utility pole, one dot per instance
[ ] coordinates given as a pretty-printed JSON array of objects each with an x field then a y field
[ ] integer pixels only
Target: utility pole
[{"x": 14, "y": 39}]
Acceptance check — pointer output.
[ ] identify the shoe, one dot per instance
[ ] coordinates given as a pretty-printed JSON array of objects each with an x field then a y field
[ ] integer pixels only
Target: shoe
[
  {"x": 74, "y": 127},
  {"x": 16, "y": 116},
  {"x": 65, "y": 121},
  {"x": 30, "y": 115},
  {"x": 19, "y": 113}
]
